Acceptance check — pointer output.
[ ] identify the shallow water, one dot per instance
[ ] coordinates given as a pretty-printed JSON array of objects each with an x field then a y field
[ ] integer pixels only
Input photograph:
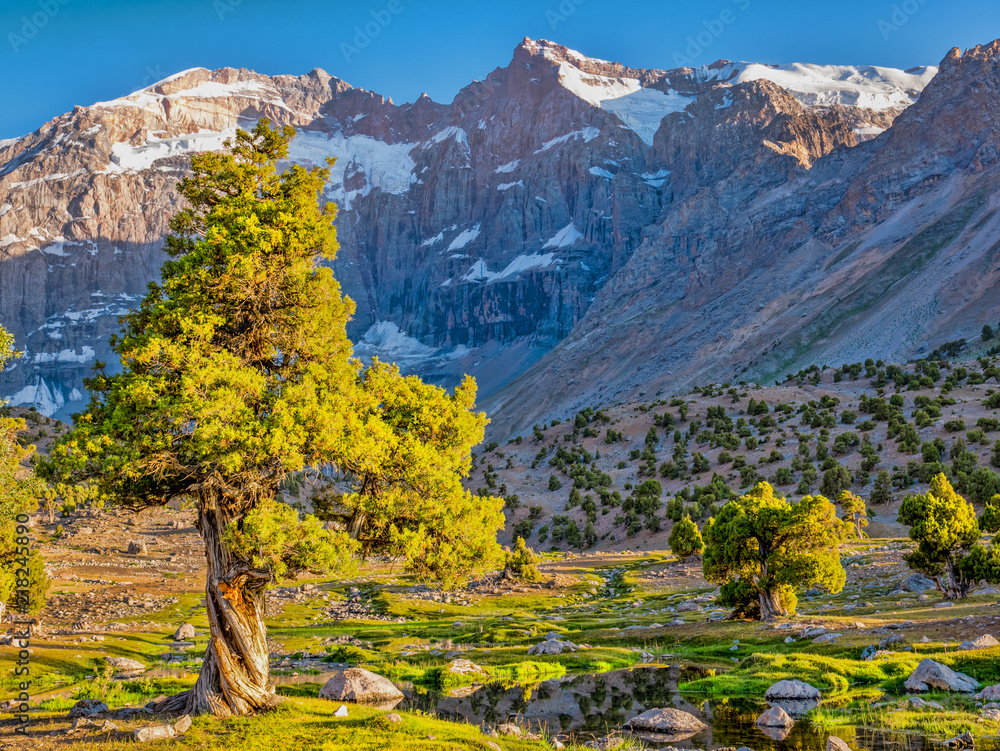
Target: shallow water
[{"x": 589, "y": 706}]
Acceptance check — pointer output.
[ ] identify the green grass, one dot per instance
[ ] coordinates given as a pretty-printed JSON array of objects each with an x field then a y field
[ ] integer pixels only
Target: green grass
[{"x": 303, "y": 724}]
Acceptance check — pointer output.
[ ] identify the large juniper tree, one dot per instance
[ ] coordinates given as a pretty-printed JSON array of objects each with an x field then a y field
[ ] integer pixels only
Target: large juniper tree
[
  {"x": 761, "y": 547},
  {"x": 237, "y": 372}
]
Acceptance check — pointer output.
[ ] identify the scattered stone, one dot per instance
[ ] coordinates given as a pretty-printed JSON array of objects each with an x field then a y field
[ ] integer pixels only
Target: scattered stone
[
  {"x": 930, "y": 674},
  {"x": 944, "y": 604},
  {"x": 341, "y": 711},
  {"x": 394, "y": 718},
  {"x": 775, "y": 717},
  {"x": 153, "y": 733},
  {"x": 361, "y": 687},
  {"x": 125, "y": 666},
  {"x": 917, "y": 703},
  {"x": 825, "y": 638},
  {"x": 552, "y": 647},
  {"x": 184, "y": 631},
  {"x": 833, "y": 743},
  {"x": 981, "y": 642},
  {"x": 990, "y": 693},
  {"x": 137, "y": 547},
  {"x": 87, "y": 708},
  {"x": 509, "y": 728},
  {"x": 465, "y": 667},
  {"x": 182, "y": 725},
  {"x": 667, "y": 720},
  {"x": 964, "y": 740},
  {"x": 917, "y": 583},
  {"x": 793, "y": 690},
  {"x": 108, "y": 727}
]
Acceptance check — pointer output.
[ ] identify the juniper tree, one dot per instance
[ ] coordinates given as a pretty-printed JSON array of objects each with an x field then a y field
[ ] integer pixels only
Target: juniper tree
[
  {"x": 761, "y": 547},
  {"x": 685, "y": 539},
  {"x": 947, "y": 533},
  {"x": 855, "y": 512},
  {"x": 236, "y": 372}
]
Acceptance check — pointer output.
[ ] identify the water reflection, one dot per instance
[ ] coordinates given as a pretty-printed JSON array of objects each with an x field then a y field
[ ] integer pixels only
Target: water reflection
[{"x": 587, "y": 706}]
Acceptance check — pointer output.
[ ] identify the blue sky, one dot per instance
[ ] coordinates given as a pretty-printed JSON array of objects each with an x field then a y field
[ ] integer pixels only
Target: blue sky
[{"x": 60, "y": 53}]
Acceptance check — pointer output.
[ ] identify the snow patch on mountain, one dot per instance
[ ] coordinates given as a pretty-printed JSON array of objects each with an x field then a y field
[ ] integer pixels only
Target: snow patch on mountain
[
  {"x": 464, "y": 237},
  {"x": 386, "y": 166},
  {"x": 480, "y": 272},
  {"x": 66, "y": 355},
  {"x": 640, "y": 108},
  {"x": 568, "y": 235},
  {"x": 128, "y": 158},
  {"x": 870, "y": 86},
  {"x": 588, "y": 134}
]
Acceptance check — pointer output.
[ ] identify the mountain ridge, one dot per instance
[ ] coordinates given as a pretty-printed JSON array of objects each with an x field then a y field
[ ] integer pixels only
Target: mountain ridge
[{"x": 477, "y": 236}]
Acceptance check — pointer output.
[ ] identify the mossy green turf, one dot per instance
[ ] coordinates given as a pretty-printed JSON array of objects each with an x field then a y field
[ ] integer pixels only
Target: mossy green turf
[
  {"x": 309, "y": 725},
  {"x": 500, "y": 628}
]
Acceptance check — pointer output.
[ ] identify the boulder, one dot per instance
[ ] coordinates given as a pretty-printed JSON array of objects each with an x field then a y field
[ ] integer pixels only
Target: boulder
[
  {"x": 990, "y": 693},
  {"x": 394, "y": 718},
  {"x": 917, "y": 583},
  {"x": 930, "y": 674},
  {"x": 826, "y": 638},
  {"x": 341, "y": 711},
  {"x": 793, "y": 690},
  {"x": 137, "y": 547},
  {"x": 689, "y": 606},
  {"x": 917, "y": 703},
  {"x": 980, "y": 642},
  {"x": 87, "y": 708},
  {"x": 833, "y": 743},
  {"x": 552, "y": 647},
  {"x": 153, "y": 733},
  {"x": 361, "y": 687},
  {"x": 182, "y": 725},
  {"x": 965, "y": 740},
  {"x": 509, "y": 728},
  {"x": 775, "y": 717},
  {"x": 667, "y": 720},
  {"x": 184, "y": 631},
  {"x": 125, "y": 666},
  {"x": 465, "y": 667}
]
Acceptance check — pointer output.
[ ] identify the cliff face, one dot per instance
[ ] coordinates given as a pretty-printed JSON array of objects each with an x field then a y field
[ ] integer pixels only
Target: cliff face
[
  {"x": 788, "y": 256},
  {"x": 568, "y": 228}
]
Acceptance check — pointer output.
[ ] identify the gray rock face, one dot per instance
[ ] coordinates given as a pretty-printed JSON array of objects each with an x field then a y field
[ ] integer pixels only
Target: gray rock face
[
  {"x": 794, "y": 691},
  {"x": 667, "y": 720},
  {"x": 930, "y": 674},
  {"x": 360, "y": 686},
  {"x": 775, "y": 717}
]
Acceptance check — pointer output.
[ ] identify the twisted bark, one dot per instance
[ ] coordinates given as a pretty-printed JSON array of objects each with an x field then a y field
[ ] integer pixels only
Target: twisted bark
[{"x": 234, "y": 677}]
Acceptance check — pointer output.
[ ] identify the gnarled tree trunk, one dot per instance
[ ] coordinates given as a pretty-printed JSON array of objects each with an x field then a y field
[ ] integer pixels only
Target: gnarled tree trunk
[
  {"x": 770, "y": 605},
  {"x": 234, "y": 677}
]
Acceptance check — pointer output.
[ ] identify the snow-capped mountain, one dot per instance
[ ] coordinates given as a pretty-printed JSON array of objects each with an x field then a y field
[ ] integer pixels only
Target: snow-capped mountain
[{"x": 564, "y": 208}]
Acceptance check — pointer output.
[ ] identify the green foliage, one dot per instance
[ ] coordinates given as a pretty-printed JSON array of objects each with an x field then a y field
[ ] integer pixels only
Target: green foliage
[
  {"x": 237, "y": 372},
  {"x": 522, "y": 563},
  {"x": 760, "y": 546},
  {"x": 835, "y": 481},
  {"x": 855, "y": 512},
  {"x": 947, "y": 533},
  {"x": 685, "y": 539},
  {"x": 882, "y": 491}
]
